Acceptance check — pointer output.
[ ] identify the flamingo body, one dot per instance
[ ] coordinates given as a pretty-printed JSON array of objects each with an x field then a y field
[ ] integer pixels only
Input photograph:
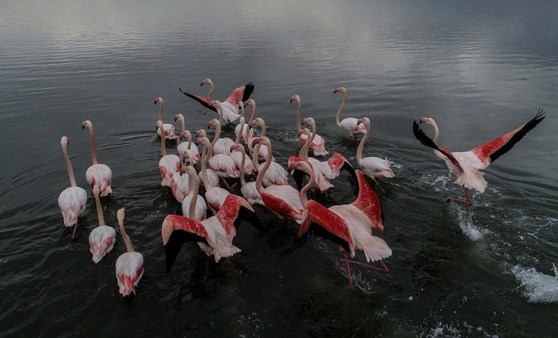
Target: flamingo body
[
  {"x": 101, "y": 241},
  {"x": 72, "y": 203},
  {"x": 129, "y": 270},
  {"x": 168, "y": 166}
]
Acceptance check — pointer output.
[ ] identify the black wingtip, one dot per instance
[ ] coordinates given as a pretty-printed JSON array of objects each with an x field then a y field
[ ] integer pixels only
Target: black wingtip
[
  {"x": 248, "y": 90},
  {"x": 347, "y": 166},
  {"x": 298, "y": 176},
  {"x": 245, "y": 214}
]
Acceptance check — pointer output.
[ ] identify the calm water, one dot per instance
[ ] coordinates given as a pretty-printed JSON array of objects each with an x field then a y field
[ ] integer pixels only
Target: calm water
[{"x": 479, "y": 67}]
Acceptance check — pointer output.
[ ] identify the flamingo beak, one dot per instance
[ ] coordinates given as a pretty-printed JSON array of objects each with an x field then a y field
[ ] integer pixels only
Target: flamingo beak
[{"x": 423, "y": 120}]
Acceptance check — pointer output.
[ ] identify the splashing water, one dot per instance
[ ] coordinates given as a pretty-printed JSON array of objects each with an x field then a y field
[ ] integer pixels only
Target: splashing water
[{"x": 538, "y": 287}]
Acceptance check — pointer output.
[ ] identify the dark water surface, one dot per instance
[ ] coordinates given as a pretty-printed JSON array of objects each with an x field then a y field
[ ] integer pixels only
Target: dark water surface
[{"x": 480, "y": 68}]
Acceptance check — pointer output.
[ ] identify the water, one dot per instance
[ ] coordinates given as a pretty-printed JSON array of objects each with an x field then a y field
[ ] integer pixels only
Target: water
[{"x": 480, "y": 68}]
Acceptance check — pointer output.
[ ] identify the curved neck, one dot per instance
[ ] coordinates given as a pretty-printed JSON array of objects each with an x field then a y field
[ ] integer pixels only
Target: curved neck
[
  {"x": 238, "y": 136},
  {"x": 298, "y": 116},
  {"x": 194, "y": 186},
  {"x": 361, "y": 144},
  {"x": 210, "y": 94},
  {"x": 189, "y": 137},
  {"x": 69, "y": 166},
  {"x": 100, "y": 215},
  {"x": 216, "y": 137},
  {"x": 163, "y": 147},
  {"x": 304, "y": 150},
  {"x": 264, "y": 129},
  {"x": 93, "y": 146},
  {"x": 338, "y": 114},
  {"x": 125, "y": 238},
  {"x": 205, "y": 179},
  {"x": 182, "y": 124},
  {"x": 161, "y": 111},
  {"x": 304, "y": 191},
  {"x": 261, "y": 173},
  {"x": 256, "y": 156},
  {"x": 221, "y": 117},
  {"x": 253, "y": 115}
]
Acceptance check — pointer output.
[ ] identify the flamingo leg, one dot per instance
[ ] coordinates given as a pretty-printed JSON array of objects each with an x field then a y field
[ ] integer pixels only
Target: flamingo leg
[
  {"x": 382, "y": 268},
  {"x": 468, "y": 201},
  {"x": 74, "y": 232}
]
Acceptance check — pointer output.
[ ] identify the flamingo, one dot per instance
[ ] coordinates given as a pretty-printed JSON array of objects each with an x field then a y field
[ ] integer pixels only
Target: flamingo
[
  {"x": 192, "y": 150},
  {"x": 168, "y": 164},
  {"x": 466, "y": 166},
  {"x": 248, "y": 132},
  {"x": 350, "y": 124},
  {"x": 214, "y": 195},
  {"x": 129, "y": 265},
  {"x": 214, "y": 235},
  {"x": 276, "y": 174},
  {"x": 219, "y": 145},
  {"x": 210, "y": 84},
  {"x": 238, "y": 155},
  {"x": 241, "y": 93},
  {"x": 323, "y": 170},
  {"x": 180, "y": 186},
  {"x": 192, "y": 200},
  {"x": 169, "y": 131},
  {"x": 73, "y": 199},
  {"x": 281, "y": 199},
  {"x": 97, "y": 174},
  {"x": 222, "y": 164},
  {"x": 349, "y": 225},
  {"x": 260, "y": 123},
  {"x": 248, "y": 189},
  {"x": 372, "y": 166},
  {"x": 103, "y": 237},
  {"x": 318, "y": 145}
]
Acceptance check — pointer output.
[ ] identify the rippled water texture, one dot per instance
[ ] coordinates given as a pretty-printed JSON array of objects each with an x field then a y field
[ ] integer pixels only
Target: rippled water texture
[{"x": 479, "y": 68}]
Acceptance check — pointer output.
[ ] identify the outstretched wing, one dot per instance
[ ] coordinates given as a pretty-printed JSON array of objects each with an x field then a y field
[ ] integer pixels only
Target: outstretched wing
[
  {"x": 241, "y": 93},
  {"x": 427, "y": 141},
  {"x": 490, "y": 151},
  {"x": 368, "y": 202},
  {"x": 204, "y": 100},
  {"x": 234, "y": 210}
]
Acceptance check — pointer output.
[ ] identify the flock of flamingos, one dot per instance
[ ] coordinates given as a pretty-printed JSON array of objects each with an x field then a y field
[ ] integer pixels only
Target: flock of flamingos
[{"x": 223, "y": 159}]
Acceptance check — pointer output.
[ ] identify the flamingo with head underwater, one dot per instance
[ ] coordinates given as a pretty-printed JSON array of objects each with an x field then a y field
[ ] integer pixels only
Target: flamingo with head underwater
[
  {"x": 466, "y": 166},
  {"x": 73, "y": 199},
  {"x": 349, "y": 225},
  {"x": 103, "y": 237}
]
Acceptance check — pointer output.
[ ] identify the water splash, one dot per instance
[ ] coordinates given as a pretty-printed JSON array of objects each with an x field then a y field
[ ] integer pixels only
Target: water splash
[{"x": 537, "y": 287}]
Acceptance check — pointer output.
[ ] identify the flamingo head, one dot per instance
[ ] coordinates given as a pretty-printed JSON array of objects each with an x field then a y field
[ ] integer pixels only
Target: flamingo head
[
  {"x": 185, "y": 134},
  {"x": 250, "y": 102},
  {"x": 158, "y": 99},
  {"x": 237, "y": 146},
  {"x": 295, "y": 98},
  {"x": 258, "y": 121},
  {"x": 427, "y": 120},
  {"x": 203, "y": 140},
  {"x": 365, "y": 121},
  {"x": 190, "y": 170},
  {"x": 120, "y": 215},
  {"x": 201, "y": 133},
  {"x": 179, "y": 117},
  {"x": 87, "y": 124},
  {"x": 305, "y": 131},
  {"x": 309, "y": 121},
  {"x": 300, "y": 165},
  {"x": 185, "y": 159},
  {"x": 206, "y": 82},
  {"x": 159, "y": 125},
  {"x": 261, "y": 140},
  {"x": 213, "y": 123},
  {"x": 342, "y": 90},
  {"x": 64, "y": 141}
]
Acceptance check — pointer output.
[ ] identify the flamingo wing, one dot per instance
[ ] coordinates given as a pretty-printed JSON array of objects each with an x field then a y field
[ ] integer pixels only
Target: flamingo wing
[
  {"x": 176, "y": 230},
  {"x": 241, "y": 93},
  {"x": 204, "y": 100},
  {"x": 368, "y": 202},
  {"x": 234, "y": 210},
  {"x": 427, "y": 141},
  {"x": 490, "y": 151}
]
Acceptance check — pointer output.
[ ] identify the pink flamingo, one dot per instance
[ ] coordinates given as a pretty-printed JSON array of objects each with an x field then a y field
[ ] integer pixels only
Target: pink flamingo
[
  {"x": 323, "y": 170},
  {"x": 97, "y": 174},
  {"x": 350, "y": 124},
  {"x": 248, "y": 189},
  {"x": 103, "y": 237},
  {"x": 214, "y": 235},
  {"x": 349, "y": 224},
  {"x": 229, "y": 108},
  {"x": 260, "y": 123},
  {"x": 192, "y": 200},
  {"x": 248, "y": 132},
  {"x": 180, "y": 182},
  {"x": 129, "y": 265},
  {"x": 73, "y": 199},
  {"x": 372, "y": 166},
  {"x": 168, "y": 129},
  {"x": 168, "y": 164},
  {"x": 466, "y": 166},
  {"x": 214, "y": 195},
  {"x": 210, "y": 84},
  {"x": 318, "y": 145},
  {"x": 219, "y": 145},
  {"x": 281, "y": 199},
  {"x": 222, "y": 164},
  {"x": 186, "y": 147},
  {"x": 243, "y": 164},
  {"x": 275, "y": 174}
]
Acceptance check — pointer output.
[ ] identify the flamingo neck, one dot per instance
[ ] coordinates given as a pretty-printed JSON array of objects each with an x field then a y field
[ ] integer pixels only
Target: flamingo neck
[
  {"x": 195, "y": 183},
  {"x": 216, "y": 137},
  {"x": 125, "y": 238},
  {"x": 161, "y": 111},
  {"x": 93, "y": 146},
  {"x": 163, "y": 147},
  {"x": 256, "y": 156},
  {"x": 205, "y": 179},
  {"x": 298, "y": 116},
  {"x": 307, "y": 186},
  {"x": 100, "y": 215},
  {"x": 264, "y": 129},
  {"x": 242, "y": 163},
  {"x": 182, "y": 125},
  {"x": 239, "y": 135},
  {"x": 253, "y": 115},
  {"x": 261, "y": 173},
  {"x": 338, "y": 114},
  {"x": 304, "y": 150},
  {"x": 436, "y": 133},
  {"x": 69, "y": 166},
  {"x": 189, "y": 137},
  {"x": 361, "y": 144},
  {"x": 210, "y": 94},
  {"x": 221, "y": 116}
]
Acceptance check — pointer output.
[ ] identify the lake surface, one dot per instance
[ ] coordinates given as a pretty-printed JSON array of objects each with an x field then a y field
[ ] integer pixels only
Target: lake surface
[{"x": 480, "y": 68}]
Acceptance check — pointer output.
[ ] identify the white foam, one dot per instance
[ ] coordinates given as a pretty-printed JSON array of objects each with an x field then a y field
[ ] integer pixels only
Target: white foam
[
  {"x": 537, "y": 287},
  {"x": 468, "y": 227}
]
